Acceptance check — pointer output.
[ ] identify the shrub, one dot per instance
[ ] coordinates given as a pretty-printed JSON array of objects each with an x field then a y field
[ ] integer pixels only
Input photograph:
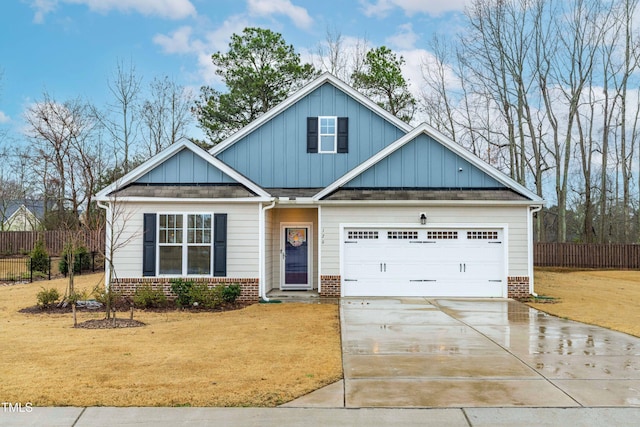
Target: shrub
[
  {"x": 39, "y": 257},
  {"x": 202, "y": 295},
  {"x": 47, "y": 297},
  {"x": 147, "y": 297},
  {"x": 231, "y": 293},
  {"x": 182, "y": 290},
  {"x": 81, "y": 260},
  {"x": 76, "y": 296},
  {"x": 110, "y": 300}
]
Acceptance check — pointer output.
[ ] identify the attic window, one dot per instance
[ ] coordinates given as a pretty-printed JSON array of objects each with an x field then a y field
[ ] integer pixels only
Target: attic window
[{"x": 327, "y": 134}]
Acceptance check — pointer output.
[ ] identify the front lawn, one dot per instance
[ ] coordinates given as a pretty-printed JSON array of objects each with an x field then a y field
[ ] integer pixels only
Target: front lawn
[
  {"x": 608, "y": 298},
  {"x": 262, "y": 355}
]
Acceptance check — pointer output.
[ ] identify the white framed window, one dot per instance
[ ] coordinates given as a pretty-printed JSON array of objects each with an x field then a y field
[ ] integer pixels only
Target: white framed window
[
  {"x": 184, "y": 244},
  {"x": 327, "y": 134}
]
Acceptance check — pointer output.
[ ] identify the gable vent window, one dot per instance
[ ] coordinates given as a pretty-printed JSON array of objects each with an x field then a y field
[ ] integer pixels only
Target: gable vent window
[
  {"x": 442, "y": 235},
  {"x": 352, "y": 235},
  {"x": 402, "y": 235},
  {"x": 482, "y": 235},
  {"x": 327, "y": 134}
]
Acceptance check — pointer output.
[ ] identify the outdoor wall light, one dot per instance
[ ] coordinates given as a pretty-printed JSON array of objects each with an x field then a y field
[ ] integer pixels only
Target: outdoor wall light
[{"x": 423, "y": 218}]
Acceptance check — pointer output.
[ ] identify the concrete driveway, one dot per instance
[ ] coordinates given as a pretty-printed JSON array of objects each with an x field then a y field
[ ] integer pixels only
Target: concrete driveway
[{"x": 418, "y": 352}]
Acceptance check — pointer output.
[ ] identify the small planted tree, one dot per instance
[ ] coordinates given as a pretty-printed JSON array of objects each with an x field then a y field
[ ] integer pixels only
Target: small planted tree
[
  {"x": 40, "y": 257},
  {"x": 78, "y": 257}
]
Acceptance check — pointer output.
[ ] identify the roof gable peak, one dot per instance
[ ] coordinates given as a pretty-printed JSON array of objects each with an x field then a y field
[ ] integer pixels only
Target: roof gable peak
[
  {"x": 323, "y": 78},
  {"x": 449, "y": 144},
  {"x": 166, "y": 154}
]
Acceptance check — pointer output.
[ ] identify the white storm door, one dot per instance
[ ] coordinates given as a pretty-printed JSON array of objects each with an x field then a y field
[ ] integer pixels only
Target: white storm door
[{"x": 296, "y": 256}]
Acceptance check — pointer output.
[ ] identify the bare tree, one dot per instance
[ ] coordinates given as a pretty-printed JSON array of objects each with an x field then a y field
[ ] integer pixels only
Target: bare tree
[
  {"x": 166, "y": 115},
  {"x": 339, "y": 56},
  {"x": 122, "y": 123},
  {"x": 436, "y": 100},
  {"x": 118, "y": 235},
  {"x": 67, "y": 144}
]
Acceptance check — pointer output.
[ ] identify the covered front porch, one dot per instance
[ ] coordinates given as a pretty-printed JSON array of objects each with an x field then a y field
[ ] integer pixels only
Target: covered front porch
[{"x": 291, "y": 251}]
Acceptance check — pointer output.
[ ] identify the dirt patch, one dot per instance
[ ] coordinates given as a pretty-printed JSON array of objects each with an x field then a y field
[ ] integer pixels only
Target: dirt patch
[{"x": 608, "y": 298}]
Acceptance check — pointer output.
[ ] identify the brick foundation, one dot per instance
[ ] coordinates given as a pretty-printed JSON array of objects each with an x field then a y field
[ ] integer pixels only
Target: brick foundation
[
  {"x": 518, "y": 286},
  {"x": 249, "y": 287},
  {"x": 330, "y": 286}
]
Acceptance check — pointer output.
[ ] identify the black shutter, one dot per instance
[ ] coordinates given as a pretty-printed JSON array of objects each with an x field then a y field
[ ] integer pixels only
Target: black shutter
[
  {"x": 312, "y": 134},
  {"x": 343, "y": 134},
  {"x": 220, "y": 244},
  {"x": 149, "y": 245}
]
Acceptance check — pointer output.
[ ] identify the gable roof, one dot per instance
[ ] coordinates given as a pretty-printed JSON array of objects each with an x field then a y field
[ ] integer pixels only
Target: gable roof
[
  {"x": 447, "y": 143},
  {"x": 11, "y": 207},
  {"x": 166, "y": 154},
  {"x": 297, "y": 96}
]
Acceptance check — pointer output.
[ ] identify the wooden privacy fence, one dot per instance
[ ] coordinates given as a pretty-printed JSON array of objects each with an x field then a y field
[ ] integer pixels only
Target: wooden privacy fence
[
  {"x": 583, "y": 255},
  {"x": 21, "y": 242}
]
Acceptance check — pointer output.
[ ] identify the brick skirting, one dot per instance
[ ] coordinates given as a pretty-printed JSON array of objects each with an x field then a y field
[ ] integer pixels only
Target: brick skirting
[
  {"x": 330, "y": 286},
  {"x": 518, "y": 286},
  {"x": 249, "y": 287}
]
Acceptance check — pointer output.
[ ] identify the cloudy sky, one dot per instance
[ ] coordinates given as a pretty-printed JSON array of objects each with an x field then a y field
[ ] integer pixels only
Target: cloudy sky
[{"x": 69, "y": 48}]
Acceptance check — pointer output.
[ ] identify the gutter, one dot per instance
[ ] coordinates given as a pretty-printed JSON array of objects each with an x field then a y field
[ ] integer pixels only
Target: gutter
[
  {"x": 262, "y": 286},
  {"x": 532, "y": 210},
  {"x": 107, "y": 264}
]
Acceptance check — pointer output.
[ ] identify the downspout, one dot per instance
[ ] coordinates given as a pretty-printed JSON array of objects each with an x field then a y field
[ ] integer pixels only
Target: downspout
[
  {"x": 107, "y": 244},
  {"x": 532, "y": 210},
  {"x": 262, "y": 252}
]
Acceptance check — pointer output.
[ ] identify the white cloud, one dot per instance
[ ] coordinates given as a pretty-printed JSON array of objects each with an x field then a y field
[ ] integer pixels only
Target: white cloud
[
  {"x": 188, "y": 40},
  {"x": 169, "y": 9},
  {"x": 381, "y": 8},
  {"x": 179, "y": 41},
  {"x": 404, "y": 39},
  {"x": 298, "y": 15},
  {"x": 412, "y": 69},
  {"x": 4, "y": 118},
  {"x": 42, "y": 7}
]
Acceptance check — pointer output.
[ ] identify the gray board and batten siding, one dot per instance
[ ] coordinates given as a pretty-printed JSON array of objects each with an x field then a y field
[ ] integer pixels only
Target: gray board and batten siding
[{"x": 275, "y": 154}]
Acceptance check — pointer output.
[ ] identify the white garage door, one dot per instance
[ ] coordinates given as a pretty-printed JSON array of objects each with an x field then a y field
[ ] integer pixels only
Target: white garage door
[{"x": 434, "y": 262}]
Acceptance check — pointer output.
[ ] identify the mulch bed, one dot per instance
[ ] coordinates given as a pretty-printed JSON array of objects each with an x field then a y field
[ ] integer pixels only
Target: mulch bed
[
  {"x": 110, "y": 324},
  {"x": 54, "y": 309},
  {"x": 125, "y": 321}
]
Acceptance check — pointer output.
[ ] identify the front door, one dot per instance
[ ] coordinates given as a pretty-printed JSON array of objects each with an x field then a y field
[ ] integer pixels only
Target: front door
[{"x": 295, "y": 253}]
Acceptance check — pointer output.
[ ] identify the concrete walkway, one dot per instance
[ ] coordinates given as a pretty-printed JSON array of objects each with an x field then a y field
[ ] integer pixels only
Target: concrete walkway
[
  {"x": 444, "y": 362},
  {"x": 369, "y": 417}
]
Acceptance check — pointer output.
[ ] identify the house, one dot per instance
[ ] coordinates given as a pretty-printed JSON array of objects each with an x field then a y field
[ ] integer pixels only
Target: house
[
  {"x": 21, "y": 216},
  {"x": 325, "y": 192}
]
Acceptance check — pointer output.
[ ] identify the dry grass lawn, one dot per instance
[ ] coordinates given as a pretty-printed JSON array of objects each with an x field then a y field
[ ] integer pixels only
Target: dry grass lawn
[
  {"x": 263, "y": 355},
  {"x": 609, "y": 298}
]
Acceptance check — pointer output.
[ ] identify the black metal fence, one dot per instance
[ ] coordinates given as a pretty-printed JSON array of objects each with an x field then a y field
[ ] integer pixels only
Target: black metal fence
[{"x": 21, "y": 269}]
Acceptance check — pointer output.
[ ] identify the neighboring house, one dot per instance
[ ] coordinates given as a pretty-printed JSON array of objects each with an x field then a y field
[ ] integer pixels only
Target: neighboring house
[
  {"x": 19, "y": 217},
  {"x": 327, "y": 192}
]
